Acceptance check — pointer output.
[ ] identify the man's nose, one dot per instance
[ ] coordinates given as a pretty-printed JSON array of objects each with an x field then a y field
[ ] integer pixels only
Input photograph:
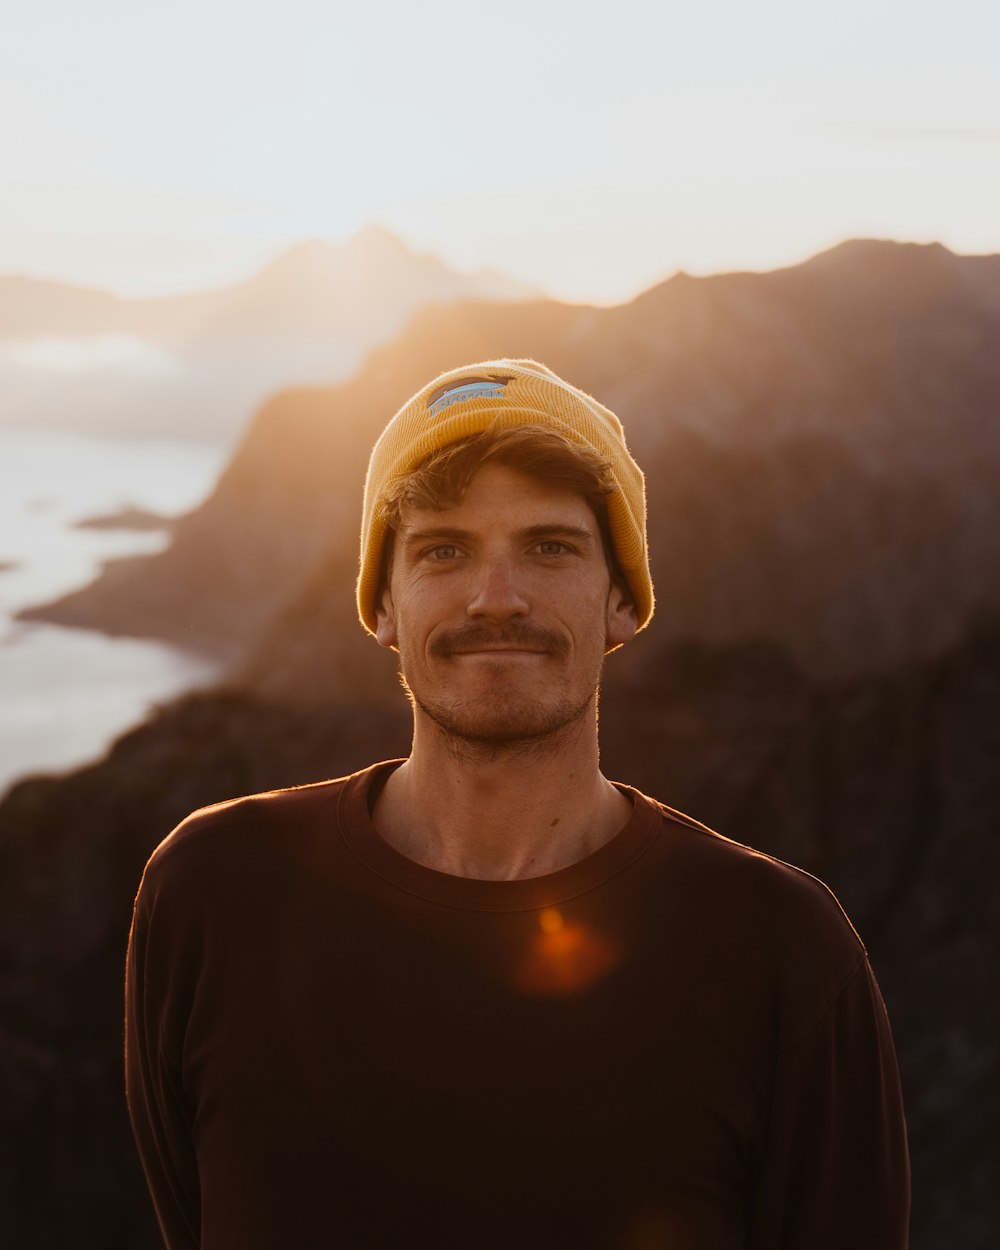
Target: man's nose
[{"x": 498, "y": 593}]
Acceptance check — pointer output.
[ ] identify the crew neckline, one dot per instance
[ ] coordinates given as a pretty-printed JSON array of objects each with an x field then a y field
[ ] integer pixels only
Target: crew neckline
[{"x": 473, "y": 893}]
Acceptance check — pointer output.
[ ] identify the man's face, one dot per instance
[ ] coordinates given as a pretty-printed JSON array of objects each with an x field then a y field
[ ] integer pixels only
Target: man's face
[{"x": 502, "y": 608}]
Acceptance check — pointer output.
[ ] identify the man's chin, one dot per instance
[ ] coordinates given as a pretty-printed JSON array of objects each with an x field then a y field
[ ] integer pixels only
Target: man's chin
[{"x": 511, "y": 725}]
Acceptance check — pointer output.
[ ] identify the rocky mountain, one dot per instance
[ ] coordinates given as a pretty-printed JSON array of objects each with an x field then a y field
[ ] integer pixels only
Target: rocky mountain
[
  {"x": 821, "y": 446},
  {"x": 197, "y": 365},
  {"x": 821, "y": 681}
]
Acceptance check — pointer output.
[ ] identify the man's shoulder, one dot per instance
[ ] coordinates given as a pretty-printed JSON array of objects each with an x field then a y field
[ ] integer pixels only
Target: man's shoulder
[
  {"x": 773, "y": 901},
  {"x": 769, "y": 922},
  {"x": 249, "y": 822},
  {"x": 238, "y": 817}
]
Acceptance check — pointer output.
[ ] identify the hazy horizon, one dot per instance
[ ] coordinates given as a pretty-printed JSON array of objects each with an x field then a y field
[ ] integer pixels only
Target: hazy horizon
[
  {"x": 135, "y": 288},
  {"x": 590, "y": 158}
]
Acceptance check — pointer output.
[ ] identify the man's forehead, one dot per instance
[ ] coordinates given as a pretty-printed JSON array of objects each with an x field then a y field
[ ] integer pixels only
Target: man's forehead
[{"x": 499, "y": 494}]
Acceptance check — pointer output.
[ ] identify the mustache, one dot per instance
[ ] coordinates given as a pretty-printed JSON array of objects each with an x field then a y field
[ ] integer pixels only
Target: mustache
[{"x": 475, "y": 637}]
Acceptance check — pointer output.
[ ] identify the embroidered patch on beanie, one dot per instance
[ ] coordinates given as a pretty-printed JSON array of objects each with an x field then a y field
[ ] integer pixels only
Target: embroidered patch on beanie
[{"x": 457, "y": 392}]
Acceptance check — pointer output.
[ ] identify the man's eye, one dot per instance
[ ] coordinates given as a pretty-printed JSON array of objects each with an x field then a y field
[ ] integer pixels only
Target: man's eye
[
  {"x": 446, "y": 551},
  {"x": 551, "y": 547}
]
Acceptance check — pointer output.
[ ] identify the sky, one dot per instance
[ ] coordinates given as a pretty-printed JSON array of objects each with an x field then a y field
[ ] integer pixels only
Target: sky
[{"x": 589, "y": 149}]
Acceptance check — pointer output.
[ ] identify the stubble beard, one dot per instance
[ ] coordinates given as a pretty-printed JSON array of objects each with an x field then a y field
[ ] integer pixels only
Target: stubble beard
[{"x": 503, "y": 723}]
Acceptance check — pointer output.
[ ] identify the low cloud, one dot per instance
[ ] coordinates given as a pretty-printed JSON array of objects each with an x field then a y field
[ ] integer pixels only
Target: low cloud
[{"x": 118, "y": 353}]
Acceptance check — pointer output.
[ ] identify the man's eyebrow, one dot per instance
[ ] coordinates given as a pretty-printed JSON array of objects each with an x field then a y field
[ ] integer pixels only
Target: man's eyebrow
[
  {"x": 450, "y": 533},
  {"x": 434, "y": 533},
  {"x": 559, "y": 528}
]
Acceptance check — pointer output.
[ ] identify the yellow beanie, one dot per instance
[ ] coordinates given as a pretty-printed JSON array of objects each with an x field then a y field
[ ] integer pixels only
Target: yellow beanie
[{"x": 501, "y": 394}]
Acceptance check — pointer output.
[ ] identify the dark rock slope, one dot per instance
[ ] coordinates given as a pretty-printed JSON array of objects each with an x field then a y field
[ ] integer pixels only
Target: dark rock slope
[{"x": 887, "y": 787}]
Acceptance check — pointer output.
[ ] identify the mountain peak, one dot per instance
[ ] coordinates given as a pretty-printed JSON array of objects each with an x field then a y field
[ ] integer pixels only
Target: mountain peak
[
  {"x": 376, "y": 237},
  {"x": 867, "y": 251},
  {"x": 324, "y": 258}
]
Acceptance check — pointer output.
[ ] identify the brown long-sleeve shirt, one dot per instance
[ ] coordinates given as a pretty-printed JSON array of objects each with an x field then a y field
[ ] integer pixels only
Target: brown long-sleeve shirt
[{"x": 676, "y": 1043}]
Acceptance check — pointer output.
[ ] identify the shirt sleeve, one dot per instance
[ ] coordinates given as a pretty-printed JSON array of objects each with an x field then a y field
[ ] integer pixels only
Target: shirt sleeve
[
  {"x": 835, "y": 1169},
  {"x": 161, "y": 1120}
]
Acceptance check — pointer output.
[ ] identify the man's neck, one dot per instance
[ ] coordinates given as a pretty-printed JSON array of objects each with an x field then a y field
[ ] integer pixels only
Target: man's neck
[{"x": 500, "y": 813}]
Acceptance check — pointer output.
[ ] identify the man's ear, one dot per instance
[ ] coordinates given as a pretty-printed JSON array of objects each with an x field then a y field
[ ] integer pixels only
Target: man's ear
[
  {"x": 623, "y": 619},
  {"x": 385, "y": 619}
]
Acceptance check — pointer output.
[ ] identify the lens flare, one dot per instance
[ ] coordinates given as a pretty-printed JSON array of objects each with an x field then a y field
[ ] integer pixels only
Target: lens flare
[{"x": 564, "y": 957}]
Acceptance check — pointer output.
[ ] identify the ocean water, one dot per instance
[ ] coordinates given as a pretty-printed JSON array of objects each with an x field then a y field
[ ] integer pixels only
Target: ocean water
[{"x": 65, "y": 694}]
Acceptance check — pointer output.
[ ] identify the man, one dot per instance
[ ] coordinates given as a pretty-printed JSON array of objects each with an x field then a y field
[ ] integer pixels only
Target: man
[{"x": 483, "y": 997}]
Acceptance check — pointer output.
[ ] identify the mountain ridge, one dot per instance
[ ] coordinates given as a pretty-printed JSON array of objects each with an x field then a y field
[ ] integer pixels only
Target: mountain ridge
[
  {"x": 25, "y": 296},
  {"x": 309, "y": 316},
  {"x": 826, "y": 466}
]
